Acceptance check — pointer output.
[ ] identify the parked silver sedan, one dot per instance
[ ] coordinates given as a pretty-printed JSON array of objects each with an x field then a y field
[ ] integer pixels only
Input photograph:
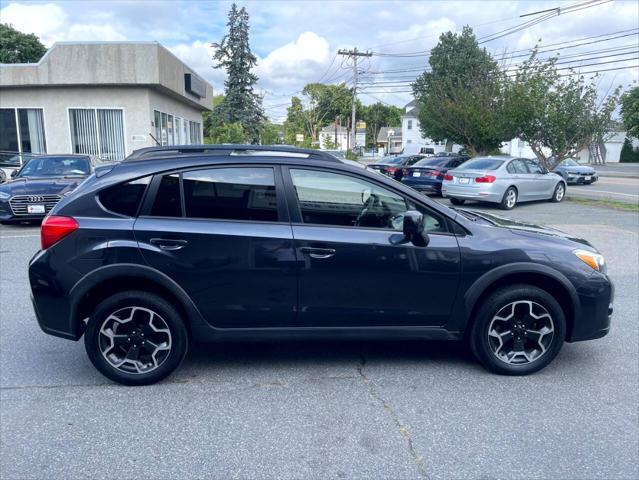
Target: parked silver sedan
[{"x": 502, "y": 180}]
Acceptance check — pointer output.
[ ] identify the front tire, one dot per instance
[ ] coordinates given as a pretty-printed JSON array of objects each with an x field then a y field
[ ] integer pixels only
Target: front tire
[
  {"x": 135, "y": 338},
  {"x": 509, "y": 200},
  {"x": 457, "y": 201},
  {"x": 559, "y": 193},
  {"x": 518, "y": 330}
]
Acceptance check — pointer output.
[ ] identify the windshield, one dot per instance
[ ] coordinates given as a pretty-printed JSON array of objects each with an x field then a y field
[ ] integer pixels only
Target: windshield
[
  {"x": 433, "y": 162},
  {"x": 482, "y": 164},
  {"x": 569, "y": 163},
  {"x": 55, "y": 167}
]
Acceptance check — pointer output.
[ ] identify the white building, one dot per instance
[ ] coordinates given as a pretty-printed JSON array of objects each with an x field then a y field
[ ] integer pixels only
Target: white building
[
  {"x": 338, "y": 136},
  {"x": 411, "y": 132},
  {"x": 101, "y": 98}
]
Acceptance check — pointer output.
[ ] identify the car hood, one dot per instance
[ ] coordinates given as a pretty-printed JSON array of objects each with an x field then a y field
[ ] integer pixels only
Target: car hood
[
  {"x": 41, "y": 186},
  {"x": 519, "y": 227}
]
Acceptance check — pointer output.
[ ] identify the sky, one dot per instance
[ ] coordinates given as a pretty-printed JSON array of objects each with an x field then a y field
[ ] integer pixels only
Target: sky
[{"x": 296, "y": 42}]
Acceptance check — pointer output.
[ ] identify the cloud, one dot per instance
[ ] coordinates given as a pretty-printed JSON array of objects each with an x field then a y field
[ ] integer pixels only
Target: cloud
[
  {"x": 198, "y": 55},
  {"x": 41, "y": 20}
]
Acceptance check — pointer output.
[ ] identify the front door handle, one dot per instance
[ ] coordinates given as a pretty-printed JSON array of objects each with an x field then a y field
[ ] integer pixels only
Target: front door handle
[
  {"x": 314, "y": 252},
  {"x": 169, "y": 243}
]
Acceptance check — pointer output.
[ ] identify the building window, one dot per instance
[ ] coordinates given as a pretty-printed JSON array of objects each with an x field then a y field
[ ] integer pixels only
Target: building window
[
  {"x": 22, "y": 130},
  {"x": 98, "y": 132},
  {"x": 172, "y": 130},
  {"x": 410, "y": 125}
]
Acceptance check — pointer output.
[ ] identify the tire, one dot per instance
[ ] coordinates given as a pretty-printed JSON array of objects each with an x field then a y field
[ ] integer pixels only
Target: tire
[
  {"x": 541, "y": 338},
  {"x": 457, "y": 201},
  {"x": 509, "y": 200},
  {"x": 145, "y": 318},
  {"x": 559, "y": 193}
]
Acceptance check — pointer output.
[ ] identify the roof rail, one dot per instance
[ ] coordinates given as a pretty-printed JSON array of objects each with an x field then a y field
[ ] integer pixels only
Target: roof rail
[{"x": 152, "y": 153}]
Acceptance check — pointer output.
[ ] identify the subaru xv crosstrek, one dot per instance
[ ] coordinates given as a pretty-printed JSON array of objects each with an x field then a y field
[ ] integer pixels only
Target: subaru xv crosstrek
[{"x": 198, "y": 243}]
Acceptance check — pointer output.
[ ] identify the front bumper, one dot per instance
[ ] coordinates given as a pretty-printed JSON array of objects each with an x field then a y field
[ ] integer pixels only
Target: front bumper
[
  {"x": 575, "y": 178},
  {"x": 596, "y": 297}
]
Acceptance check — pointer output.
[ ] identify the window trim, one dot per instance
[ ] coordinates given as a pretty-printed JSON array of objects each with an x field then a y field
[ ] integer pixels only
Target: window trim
[
  {"x": 282, "y": 209},
  {"x": 296, "y": 214}
]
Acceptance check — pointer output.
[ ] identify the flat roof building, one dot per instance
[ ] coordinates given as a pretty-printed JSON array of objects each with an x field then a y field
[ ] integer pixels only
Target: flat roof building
[{"x": 101, "y": 98}]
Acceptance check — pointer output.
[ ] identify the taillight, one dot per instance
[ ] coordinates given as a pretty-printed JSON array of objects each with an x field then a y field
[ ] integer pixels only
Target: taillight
[
  {"x": 448, "y": 177},
  {"x": 55, "y": 228},
  {"x": 391, "y": 169},
  {"x": 432, "y": 173},
  {"x": 405, "y": 171},
  {"x": 485, "y": 179}
]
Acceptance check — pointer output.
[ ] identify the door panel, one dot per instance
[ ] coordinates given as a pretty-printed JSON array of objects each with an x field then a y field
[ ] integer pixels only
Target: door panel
[
  {"x": 369, "y": 281},
  {"x": 238, "y": 274},
  {"x": 542, "y": 188}
]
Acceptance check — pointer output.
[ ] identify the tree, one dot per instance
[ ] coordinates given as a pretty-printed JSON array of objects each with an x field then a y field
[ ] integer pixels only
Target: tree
[
  {"x": 296, "y": 124},
  {"x": 460, "y": 99},
  {"x": 18, "y": 47},
  {"x": 240, "y": 105},
  {"x": 377, "y": 116},
  {"x": 227, "y": 133},
  {"x": 325, "y": 103},
  {"x": 630, "y": 112},
  {"x": 213, "y": 119},
  {"x": 270, "y": 134},
  {"x": 558, "y": 115}
]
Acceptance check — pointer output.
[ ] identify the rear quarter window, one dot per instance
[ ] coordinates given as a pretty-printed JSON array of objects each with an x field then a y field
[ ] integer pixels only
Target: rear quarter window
[{"x": 124, "y": 198}]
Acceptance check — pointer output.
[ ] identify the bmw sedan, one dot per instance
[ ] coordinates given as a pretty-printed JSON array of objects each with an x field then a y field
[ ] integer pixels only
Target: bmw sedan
[
  {"x": 574, "y": 172},
  {"x": 502, "y": 180},
  {"x": 40, "y": 184}
]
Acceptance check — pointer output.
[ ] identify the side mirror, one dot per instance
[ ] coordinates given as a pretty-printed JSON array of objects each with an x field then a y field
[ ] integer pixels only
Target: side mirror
[
  {"x": 413, "y": 228},
  {"x": 544, "y": 170},
  {"x": 14, "y": 173}
]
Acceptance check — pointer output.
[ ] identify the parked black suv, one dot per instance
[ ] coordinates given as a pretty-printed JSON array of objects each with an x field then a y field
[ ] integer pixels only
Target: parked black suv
[{"x": 178, "y": 244}]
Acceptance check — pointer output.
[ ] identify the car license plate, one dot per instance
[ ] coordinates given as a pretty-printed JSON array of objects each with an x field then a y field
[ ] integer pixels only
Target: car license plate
[
  {"x": 464, "y": 180},
  {"x": 587, "y": 178},
  {"x": 417, "y": 174},
  {"x": 35, "y": 208}
]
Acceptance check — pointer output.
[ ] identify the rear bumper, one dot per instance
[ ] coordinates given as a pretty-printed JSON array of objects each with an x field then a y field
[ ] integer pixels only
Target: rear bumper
[
  {"x": 482, "y": 194},
  {"x": 596, "y": 297},
  {"x": 421, "y": 186}
]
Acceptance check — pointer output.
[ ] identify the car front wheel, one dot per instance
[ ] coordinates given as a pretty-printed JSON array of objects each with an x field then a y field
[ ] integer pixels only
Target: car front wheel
[
  {"x": 135, "y": 338},
  {"x": 559, "y": 193},
  {"x": 518, "y": 330}
]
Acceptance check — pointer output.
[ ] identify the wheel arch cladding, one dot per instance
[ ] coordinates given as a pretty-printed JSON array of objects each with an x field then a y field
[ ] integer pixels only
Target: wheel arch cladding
[
  {"x": 541, "y": 276},
  {"x": 107, "y": 281}
]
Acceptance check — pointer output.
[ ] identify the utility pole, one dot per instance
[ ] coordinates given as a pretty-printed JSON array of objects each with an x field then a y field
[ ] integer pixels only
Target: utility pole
[{"x": 354, "y": 54}]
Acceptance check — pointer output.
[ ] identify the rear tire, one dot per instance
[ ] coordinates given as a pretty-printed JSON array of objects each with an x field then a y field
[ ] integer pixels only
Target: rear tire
[
  {"x": 518, "y": 330},
  {"x": 559, "y": 193},
  {"x": 509, "y": 200},
  {"x": 135, "y": 338},
  {"x": 457, "y": 201}
]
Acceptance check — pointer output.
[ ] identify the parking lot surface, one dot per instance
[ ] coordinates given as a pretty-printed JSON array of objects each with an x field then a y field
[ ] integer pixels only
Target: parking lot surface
[{"x": 327, "y": 409}]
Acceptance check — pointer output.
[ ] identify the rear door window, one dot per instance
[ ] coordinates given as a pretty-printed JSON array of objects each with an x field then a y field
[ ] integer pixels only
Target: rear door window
[{"x": 236, "y": 193}]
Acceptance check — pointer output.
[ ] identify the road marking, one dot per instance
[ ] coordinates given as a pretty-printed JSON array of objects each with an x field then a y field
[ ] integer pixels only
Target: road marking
[{"x": 606, "y": 191}]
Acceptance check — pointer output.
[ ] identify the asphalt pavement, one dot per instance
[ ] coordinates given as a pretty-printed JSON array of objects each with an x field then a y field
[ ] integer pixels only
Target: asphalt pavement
[
  {"x": 327, "y": 409},
  {"x": 619, "y": 189}
]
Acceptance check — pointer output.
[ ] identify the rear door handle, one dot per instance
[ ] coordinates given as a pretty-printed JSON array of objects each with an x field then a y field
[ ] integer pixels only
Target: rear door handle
[
  {"x": 169, "y": 243},
  {"x": 314, "y": 252}
]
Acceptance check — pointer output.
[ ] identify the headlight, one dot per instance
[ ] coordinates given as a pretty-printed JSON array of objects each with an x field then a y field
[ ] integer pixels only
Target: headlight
[
  {"x": 593, "y": 260},
  {"x": 4, "y": 196}
]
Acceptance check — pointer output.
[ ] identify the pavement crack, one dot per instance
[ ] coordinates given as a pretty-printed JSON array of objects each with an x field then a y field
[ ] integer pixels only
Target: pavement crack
[{"x": 403, "y": 429}]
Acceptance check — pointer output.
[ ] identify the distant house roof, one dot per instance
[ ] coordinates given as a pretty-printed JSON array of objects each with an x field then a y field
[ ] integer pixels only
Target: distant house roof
[
  {"x": 382, "y": 136},
  {"x": 340, "y": 129},
  {"x": 411, "y": 109}
]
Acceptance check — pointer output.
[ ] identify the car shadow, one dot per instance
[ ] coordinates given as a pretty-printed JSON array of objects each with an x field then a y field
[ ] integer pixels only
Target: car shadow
[{"x": 327, "y": 352}]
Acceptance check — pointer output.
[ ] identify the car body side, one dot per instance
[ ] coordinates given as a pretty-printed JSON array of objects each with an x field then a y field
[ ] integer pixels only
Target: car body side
[{"x": 471, "y": 260}]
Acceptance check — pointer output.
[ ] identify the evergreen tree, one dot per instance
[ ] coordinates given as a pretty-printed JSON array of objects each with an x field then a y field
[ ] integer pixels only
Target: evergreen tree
[{"x": 240, "y": 105}]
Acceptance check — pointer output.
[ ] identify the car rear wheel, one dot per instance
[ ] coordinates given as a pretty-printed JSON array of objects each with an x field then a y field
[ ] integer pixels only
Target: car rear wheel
[
  {"x": 559, "y": 193},
  {"x": 457, "y": 201},
  {"x": 509, "y": 200},
  {"x": 135, "y": 338},
  {"x": 518, "y": 330}
]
